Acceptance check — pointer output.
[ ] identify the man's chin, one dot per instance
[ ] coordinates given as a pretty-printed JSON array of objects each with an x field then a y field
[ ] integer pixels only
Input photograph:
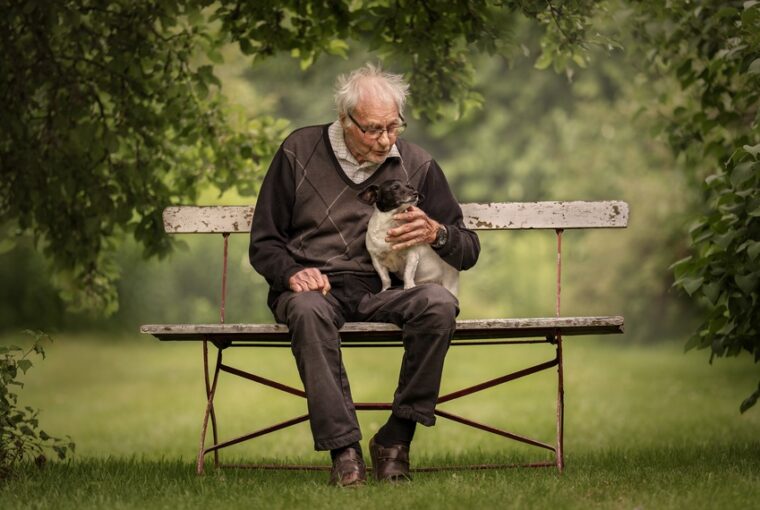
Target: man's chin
[{"x": 376, "y": 157}]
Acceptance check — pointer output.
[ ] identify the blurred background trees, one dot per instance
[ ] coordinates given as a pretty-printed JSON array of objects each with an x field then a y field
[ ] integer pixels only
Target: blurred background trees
[{"x": 113, "y": 110}]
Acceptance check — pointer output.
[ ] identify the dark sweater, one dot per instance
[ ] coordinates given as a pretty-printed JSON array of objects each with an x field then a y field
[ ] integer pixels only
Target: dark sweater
[{"x": 308, "y": 213}]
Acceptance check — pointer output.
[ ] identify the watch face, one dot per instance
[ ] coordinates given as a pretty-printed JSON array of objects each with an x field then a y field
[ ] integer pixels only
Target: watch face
[{"x": 440, "y": 237}]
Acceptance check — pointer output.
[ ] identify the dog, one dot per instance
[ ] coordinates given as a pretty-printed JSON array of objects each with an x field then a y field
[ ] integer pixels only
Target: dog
[{"x": 416, "y": 264}]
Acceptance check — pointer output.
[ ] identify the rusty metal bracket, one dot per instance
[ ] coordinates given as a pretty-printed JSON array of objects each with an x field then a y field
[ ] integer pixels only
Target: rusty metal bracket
[{"x": 368, "y": 406}]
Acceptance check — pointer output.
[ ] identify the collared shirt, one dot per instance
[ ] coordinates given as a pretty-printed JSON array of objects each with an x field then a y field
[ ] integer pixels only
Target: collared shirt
[{"x": 354, "y": 170}]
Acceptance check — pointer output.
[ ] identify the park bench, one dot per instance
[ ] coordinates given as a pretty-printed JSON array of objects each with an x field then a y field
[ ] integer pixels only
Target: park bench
[{"x": 556, "y": 216}]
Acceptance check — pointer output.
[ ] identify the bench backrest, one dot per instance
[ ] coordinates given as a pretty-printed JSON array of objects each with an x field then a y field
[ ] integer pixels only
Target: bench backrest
[
  {"x": 491, "y": 216},
  {"x": 557, "y": 216}
]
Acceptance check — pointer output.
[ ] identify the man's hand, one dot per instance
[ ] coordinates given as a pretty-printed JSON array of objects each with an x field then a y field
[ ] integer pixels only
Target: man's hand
[
  {"x": 417, "y": 228},
  {"x": 310, "y": 278}
]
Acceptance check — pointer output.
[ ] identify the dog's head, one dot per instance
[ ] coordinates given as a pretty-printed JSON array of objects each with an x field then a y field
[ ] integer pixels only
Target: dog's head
[{"x": 389, "y": 195}]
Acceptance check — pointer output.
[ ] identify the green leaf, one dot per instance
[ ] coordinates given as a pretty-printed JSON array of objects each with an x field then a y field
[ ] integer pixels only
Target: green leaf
[
  {"x": 580, "y": 60},
  {"x": 727, "y": 12},
  {"x": 715, "y": 179},
  {"x": 752, "y": 149},
  {"x": 60, "y": 451},
  {"x": 39, "y": 349},
  {"x": 726, "y": 330},
  {"x": 691, "y": 284},
  {"x": 712, "y": 291},
  {"x": 215, "y": 56},
  {"x": 679, "y": 267},
  {"x": 742, "y": 172},
  {"x": 725, "y": 240},
  {"x": 194, "y": 15},
  {"x": 753, "y": 249},
  {"x": 246, "y": 47},
  {"x": 307, "y": 61},
  {"x": 338, "y": 47},
  {"x": 24, "y": 365},
  {"x": 206, "y": 74},
  {"x": 747, "y": 282},
  {"x": 544, "y": 61},
  {"x": 694, "y": 341}
]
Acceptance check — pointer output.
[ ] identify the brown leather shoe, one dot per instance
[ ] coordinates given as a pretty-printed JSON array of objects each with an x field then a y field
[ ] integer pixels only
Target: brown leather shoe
[
  {"x": 390, "y": 464},
  {"x": 348, "y": 469}
]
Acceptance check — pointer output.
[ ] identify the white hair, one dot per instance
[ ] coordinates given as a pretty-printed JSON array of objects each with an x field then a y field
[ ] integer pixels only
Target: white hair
[{"x": 350, "y": 88}]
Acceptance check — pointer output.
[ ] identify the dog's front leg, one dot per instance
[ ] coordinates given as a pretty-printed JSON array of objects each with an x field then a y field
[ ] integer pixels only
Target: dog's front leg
[
  {"x": 412, "y": 261},
  {"x": 382, "y": 271}
]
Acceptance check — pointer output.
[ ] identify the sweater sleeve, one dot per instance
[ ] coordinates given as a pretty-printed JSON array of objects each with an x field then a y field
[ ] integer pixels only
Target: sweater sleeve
[
  {"x": 267, "y": 250},
  {"x": 463, "y": 246}
]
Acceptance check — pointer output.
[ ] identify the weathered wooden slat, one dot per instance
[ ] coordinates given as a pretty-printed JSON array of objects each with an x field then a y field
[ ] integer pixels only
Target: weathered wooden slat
[
  {"x": 493, "y": 216},
  {"x": 363, "y": 331},
  {"x": 546, "y": 215},
  {"x": 188, "y": 219}
]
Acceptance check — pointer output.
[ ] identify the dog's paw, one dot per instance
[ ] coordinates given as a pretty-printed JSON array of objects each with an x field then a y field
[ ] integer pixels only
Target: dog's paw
[{"x": 408, "y": 286}]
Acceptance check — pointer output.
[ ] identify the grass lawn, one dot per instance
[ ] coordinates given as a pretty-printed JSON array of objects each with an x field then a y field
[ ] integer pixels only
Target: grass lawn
[{"x": 646, "y": 427}]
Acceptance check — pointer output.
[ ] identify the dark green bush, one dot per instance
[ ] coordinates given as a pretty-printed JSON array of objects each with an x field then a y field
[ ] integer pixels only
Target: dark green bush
[{"x": 21, "y": 438}]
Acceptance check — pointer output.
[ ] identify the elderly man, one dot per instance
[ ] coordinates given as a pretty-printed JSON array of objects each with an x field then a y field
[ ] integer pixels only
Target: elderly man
[{"x": 308, "y": 241}]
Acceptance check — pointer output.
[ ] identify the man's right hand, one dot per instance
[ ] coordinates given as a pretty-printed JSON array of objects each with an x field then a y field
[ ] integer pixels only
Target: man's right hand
[{"x": 310, "y": 278}]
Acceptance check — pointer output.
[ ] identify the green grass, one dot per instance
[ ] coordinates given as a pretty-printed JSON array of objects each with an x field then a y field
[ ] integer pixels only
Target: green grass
[{"x": 646, "y": 427}]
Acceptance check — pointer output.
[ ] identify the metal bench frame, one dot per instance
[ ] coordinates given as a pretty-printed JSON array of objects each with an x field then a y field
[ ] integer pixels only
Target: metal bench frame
[{"x": 557, "y": 216}]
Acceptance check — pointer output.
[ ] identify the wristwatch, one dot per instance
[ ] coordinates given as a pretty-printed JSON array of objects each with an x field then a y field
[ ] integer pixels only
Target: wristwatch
[{"x": 440, "y": 237}]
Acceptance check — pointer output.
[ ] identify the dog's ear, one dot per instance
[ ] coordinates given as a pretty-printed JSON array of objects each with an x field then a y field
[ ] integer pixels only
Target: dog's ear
[{"x": 369, "y": 194}]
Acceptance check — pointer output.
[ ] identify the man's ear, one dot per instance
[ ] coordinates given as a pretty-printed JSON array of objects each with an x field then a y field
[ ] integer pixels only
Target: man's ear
[{"x": 369, "y": 194}]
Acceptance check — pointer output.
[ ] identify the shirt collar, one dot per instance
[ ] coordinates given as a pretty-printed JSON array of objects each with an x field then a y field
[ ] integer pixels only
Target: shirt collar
[{"x": 338, "y": 142}]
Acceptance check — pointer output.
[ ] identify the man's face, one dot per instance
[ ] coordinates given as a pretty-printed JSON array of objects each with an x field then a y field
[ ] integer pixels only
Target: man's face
[{"x": 370, "y": 113}]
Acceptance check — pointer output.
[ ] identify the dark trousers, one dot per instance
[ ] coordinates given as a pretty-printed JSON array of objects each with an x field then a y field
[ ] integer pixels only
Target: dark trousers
[{"x": 426, "y": 314}]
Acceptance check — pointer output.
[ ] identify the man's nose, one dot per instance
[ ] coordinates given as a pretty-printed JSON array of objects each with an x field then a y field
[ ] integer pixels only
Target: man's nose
[{"x": 384, "y": 139}]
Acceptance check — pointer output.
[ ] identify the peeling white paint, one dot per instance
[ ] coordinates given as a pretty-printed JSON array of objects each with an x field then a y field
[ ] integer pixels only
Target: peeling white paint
[{"x": 491, "y": 216}]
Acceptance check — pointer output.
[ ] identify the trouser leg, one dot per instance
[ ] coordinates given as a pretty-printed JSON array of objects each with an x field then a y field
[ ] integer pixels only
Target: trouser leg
[
  {"x": 314, "y": 320},
  {"x": 427, "y": 315}
]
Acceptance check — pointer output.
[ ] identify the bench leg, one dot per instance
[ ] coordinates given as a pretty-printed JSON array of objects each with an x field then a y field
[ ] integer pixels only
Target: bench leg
[
  {"x": 560, "y": 408},
  {"x": 493, "y": 430},
  {"x": 210, "y": 392}
]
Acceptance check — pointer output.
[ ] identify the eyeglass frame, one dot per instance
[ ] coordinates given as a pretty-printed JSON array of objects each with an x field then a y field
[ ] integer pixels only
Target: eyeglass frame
[{"x": 398, "y": 129}]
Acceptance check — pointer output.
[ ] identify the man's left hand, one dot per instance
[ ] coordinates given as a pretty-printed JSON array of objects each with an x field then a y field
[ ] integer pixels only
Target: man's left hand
[{"x": 417, "y": 228}]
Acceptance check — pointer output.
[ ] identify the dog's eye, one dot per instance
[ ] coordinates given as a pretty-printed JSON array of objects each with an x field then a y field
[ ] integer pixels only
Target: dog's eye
[{"x": 395, "y": 186}]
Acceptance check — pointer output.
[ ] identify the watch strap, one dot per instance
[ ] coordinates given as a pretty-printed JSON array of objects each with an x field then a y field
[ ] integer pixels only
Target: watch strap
[{"x": 442, "y": 236}]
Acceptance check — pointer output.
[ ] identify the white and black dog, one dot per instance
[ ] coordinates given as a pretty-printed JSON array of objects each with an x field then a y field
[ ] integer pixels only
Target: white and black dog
[{"x": 416, "y": 264}]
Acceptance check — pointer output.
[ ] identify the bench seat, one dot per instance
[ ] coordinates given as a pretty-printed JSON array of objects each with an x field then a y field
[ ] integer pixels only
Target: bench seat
[{"x": 369, "y": 334}]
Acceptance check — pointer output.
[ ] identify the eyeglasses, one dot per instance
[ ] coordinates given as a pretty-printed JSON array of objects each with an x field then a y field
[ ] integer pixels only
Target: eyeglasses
[{"x": 376, "y": 132}]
